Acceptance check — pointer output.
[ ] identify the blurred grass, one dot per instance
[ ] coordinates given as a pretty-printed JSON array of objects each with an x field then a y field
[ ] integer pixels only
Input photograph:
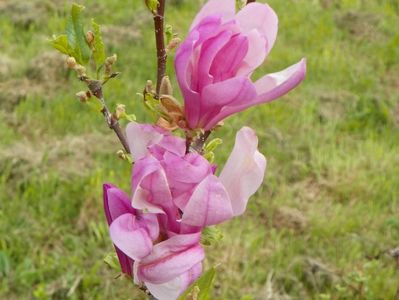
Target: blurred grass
[{"x": 320, "y": 226}]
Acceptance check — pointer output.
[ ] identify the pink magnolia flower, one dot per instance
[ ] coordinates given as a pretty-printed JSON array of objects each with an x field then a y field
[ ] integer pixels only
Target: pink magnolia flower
[
  {"x": 175, "y": 195},
  {"x": 215, "y": 62},
  {"x": 183, "y": 187}
]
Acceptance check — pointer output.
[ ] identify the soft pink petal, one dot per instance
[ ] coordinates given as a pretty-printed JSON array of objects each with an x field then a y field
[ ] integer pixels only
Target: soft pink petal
[
  {"x": 173, "y": 289},
  {"x": 116, "y": 202},
  {"x": 130, "y": 237},
  {"x": 275, "y": 85},
  {"x": 140, "y": 136},
  {"x": 209, "y": 50},
  {"x": 184, "y": 64},
  {"x": 151, "y": 188},
  {"x": 209, "y": 204},
  {"x": 223, "y": 8},
  {"x": 261, "y": 17},
  {"x": 256, "y": 53},
  {"x": 171, "y": 258},
  {"x": 229, "y": 58},
  {"x": 232, "y": 92},
  {"x": 244, "y": 170},
  {"x": 268, "y": 88}
]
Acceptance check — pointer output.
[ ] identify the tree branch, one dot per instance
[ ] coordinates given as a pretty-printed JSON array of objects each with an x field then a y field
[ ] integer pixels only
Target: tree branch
[
  {"x": 96, "y": 89},
  {"x": 200, "y": 142},
  {"x": 160, "y": 43},
  {"x": 250, "y": 1}
]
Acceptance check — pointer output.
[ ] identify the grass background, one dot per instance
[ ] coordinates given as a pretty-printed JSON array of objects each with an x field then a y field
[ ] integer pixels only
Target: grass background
[{"x": 320, "y": 227}]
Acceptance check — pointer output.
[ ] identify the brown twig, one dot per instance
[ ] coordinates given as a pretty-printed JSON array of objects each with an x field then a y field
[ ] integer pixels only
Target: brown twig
[
  {"x": 250, "y": 1},
  {"x": 96, "y": 89},
  {"x": 160, "y": 43},
  {"x": 200, "y": 142}
]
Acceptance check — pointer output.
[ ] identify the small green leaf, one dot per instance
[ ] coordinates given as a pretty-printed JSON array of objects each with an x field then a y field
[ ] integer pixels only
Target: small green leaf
[
  {"x": 205, "y": 285},
  {"x": 76, "y": 35},
  {"x": 111, "y": 260},
  {"x": 61, "y": 44},
  {"x": 209, "y": 156},
  {"x": 213, "y": 144},
  {"x": 168, "y": 33},
  {"x": 99, "y": 49},
  {"x": 211, "y": 235},
  {"x": 131, "y": 117},
  {"x": 152, "y": 4}
]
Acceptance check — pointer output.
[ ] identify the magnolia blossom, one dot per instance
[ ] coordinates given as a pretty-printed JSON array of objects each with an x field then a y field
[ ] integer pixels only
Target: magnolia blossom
[
  {"x": 175, "y": 195},
  {"x": 215, "y": 62}
]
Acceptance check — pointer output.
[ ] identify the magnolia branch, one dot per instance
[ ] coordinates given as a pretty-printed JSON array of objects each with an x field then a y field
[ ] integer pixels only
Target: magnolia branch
[
  {"x": 160, "y": 43},
  {"x": 95, "y": 88},
  {"x": 250, "y": 1}
]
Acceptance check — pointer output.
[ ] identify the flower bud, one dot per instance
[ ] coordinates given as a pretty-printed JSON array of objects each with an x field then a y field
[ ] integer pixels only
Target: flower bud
[
  {"x": 149, "y": 87},
  {"x": 120, "y": 111},
  {"x": 173, "y": 44},
  {"x": 71, "y": 62},
  {"x": 90, "y": 38},
  {"x": 83, "y": 96},
  {"x": 111, "y": 60},
  {"x": 80, "y": 70},
  {"x": 166, "y": 86}
]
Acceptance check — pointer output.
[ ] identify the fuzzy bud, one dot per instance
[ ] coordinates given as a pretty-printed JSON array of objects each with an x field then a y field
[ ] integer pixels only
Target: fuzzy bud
[
  {"x": 90, "y": 38},
  {"x": 173, "y": 44},
  {"x": 71, "y": 62},
  {"x": 120, "y": 111},
  {"x": 111, "y": 60},
  {"x": 80, "y": 70},
  {"x": 166, "y": 86},
  {"x": 149, "y": 87},
  {"x": 83, "y": 96}
]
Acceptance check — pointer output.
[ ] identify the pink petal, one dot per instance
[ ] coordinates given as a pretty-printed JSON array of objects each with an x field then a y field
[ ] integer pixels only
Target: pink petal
[
  {"x": 229, "y": 58},
  {"x": 268, "y": 88},
  {"x": 171, "y": 258},
  {"x": 130, "y": 237},
  {"x": 209, "y": 204},
  {"x": 116, "y": 202},
  {"x": 256, "y": 53},
  {"x": 223, "y": 8},
  {"x": 232, "y": 92},
  {"x": 275, "y": 85},
  {"x": 244, "y": 170},
  {"x": 173, "y": 289},
  {"x": 210, "y": 48},
  {"x": 261, "y": 17},
  {"x": 150, "y": 187},
  {"x": 184, "y": 69},
  {"x": 140, "y": 136}
]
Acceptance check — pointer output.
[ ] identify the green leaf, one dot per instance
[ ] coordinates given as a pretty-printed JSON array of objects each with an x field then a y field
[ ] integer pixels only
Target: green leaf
[
  {"x": 111, "y": 260},
  {"x": 99, "y": 49},
  {"x": 211, "y": 235},
  {"x": 152, "y": 4},
  {"x": 168, "y": 33},
  {"x": 213, "y": 144},
  {"x": 76, "y": 35},
  {"x": 204, "y": 284},
  {"x": 61, "y": 44}
]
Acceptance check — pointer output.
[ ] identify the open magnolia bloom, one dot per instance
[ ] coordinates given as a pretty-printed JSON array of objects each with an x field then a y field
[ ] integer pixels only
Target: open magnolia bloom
[
  {"x": 175, "y": 195},
  {"x": 215, "y": 62}
]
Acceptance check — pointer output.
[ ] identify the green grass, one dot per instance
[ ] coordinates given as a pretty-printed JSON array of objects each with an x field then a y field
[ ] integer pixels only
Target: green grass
[{"x": 319, "y": 227}]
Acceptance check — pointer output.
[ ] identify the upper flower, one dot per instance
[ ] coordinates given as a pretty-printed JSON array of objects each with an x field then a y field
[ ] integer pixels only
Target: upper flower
[{"x": 215, "y": 62}]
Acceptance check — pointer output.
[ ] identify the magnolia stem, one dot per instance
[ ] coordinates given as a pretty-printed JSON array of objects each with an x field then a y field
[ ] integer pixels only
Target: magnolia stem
[
  {"x": 200, "y": 142},
  {"x": 250, "y": 1},
  {"x": 160, "y": 43},
  {"x": 96, "y": 89}
]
